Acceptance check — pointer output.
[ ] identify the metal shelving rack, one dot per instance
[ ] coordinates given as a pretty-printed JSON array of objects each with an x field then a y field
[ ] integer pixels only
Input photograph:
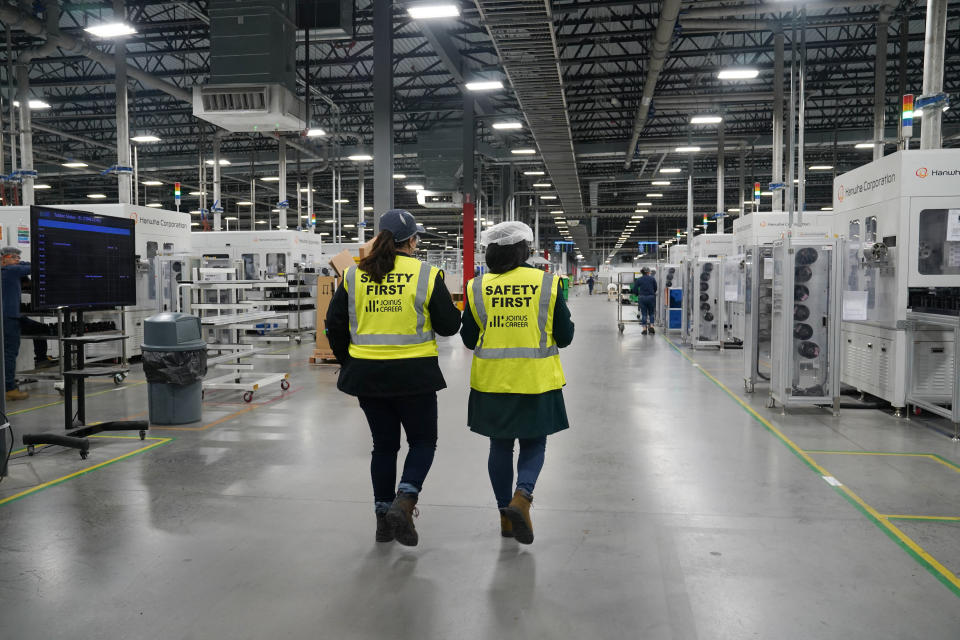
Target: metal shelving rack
[{"x": 228, "y": 320}]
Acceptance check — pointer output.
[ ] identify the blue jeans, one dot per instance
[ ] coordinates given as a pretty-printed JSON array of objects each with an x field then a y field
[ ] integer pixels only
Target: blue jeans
[
  {"x": 647, "y": 306},
  {"x": 417, "y": 416},
  {"x": 11, "y": 349},
  {"x": 500, "y": 466}
]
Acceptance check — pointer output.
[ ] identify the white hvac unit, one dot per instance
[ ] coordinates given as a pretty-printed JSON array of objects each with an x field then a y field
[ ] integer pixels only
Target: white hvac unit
[{"x": 265, "y": 108}]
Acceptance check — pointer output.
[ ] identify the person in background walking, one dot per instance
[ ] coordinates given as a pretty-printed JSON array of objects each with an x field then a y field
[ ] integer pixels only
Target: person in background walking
[
  {"x": 381, "y": 325},
  {"x": 645, "y": 288},
  {"x": 590, "y": 283},
  {"x": 12, "y": 271},
  {"x": 515, "y": 320}
]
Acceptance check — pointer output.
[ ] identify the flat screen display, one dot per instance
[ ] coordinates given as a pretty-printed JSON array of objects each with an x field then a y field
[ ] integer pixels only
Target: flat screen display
[{"x": 81, "y": 260}]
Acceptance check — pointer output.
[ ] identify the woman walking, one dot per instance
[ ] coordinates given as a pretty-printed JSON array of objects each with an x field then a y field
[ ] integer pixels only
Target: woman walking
[
  {"x": 515, "y": 321},
  {"x": 645, "y": 288},
  {"x": 381, "y": 325}
]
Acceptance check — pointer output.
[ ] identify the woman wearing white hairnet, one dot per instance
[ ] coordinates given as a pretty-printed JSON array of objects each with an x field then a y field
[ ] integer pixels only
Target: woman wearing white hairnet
[{"x": 515, "y": 320}]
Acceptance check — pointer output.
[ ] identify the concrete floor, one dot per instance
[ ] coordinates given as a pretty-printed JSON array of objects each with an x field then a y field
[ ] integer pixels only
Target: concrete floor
[{"x": 666, "y": 512}]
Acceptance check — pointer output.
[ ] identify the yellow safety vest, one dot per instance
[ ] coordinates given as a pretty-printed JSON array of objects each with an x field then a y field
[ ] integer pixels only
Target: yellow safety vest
[
  {"x": 389, "y": 319},
  {"x": 516, "y": 352}
]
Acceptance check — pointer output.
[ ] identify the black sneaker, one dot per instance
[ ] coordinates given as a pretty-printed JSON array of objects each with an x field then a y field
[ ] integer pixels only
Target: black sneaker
[
  {"x": 644, "y": 332},
  {"x": 652, "y": 330}
]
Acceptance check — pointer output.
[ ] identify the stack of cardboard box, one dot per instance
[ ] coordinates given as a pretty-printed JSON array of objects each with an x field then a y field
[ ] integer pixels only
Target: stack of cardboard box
[{"x": 326, "y": 286}]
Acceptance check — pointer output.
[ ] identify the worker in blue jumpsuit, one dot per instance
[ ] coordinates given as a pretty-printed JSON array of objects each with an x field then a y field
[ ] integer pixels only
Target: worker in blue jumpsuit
[{"x": 645, "y": 288}]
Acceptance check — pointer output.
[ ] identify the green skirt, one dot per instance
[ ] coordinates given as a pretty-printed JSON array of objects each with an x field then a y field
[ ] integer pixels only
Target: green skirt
[{"x": 516, "y": 415}]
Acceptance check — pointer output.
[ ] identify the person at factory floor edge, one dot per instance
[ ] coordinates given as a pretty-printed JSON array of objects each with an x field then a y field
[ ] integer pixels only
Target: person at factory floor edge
[
  {"x": 645, "y": 288},
  {"x": 381, "y": 325},
  {"x": 516, "y": 378},
  {"x": 12, "y": 271}
]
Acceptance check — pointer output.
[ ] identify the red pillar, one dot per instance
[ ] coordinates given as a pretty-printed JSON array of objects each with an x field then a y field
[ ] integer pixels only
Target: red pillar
[{"x": 468, "y": 242}]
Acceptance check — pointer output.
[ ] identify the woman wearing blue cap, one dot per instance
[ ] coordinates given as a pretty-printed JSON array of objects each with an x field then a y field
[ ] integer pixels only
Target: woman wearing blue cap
[{"x": 381, "y": 325}]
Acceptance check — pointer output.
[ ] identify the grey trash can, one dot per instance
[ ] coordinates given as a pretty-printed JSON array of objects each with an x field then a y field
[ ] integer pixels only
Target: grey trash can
[{"x": 174, "y": 362}]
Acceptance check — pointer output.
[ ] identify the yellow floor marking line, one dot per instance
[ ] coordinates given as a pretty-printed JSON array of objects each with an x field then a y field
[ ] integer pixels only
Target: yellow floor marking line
[
  {"x": 932, "y": 518},
  {"x": 230, "y": 416},
  {"x": 929, "y": 456},
  {"x": 26, "y": 492},
  {"x": 89, "y": 395},
  {"x": 944, "y": 575}
]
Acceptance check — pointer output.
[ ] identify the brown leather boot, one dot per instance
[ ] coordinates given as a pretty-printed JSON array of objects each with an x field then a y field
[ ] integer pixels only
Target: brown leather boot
[
  {"x": 506, "y": 527},
  {"x": 518, "y": 511},
  {"x": 400, "y": 518},
  {"x": 16, "y": 394},
  {"x": 384, "y": 530}
]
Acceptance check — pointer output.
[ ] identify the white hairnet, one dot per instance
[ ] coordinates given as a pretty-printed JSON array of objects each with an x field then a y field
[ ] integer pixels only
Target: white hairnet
[{"x": 506, "y": 233}]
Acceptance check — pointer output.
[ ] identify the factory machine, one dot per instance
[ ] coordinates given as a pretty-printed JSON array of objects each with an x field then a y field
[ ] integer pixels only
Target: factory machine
[
  {"x": 901, "y": 218},
  {"x": 705, "y": 298},
  {"x": 157, "y": 232},
  {"x": 755, "y": 234},
  {"x": 805, "y": 336}
]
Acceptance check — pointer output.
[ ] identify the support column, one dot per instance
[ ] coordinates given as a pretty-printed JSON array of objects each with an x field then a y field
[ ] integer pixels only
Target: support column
[
  {"x": 253, "y": 191},
  {"x": 801, "y": 119},
  {"x": 216, "y": 208},
  {"x": 282, "y": 197},
  {"x": 933, "y": 51},
  {"x": 26, "y": 134},
  {"x": 777, "y": 175},
  {"x": 124, "y": 178},
  {"x": 721, "y": 191},
  {"x": 469, "y": 189},
  {"x": 880, "y": 84},
  {"x": 792, "y": 124},
  {"x": 10, "y": 93},
  {"x": 361, "y": 225},
  {"x": 382, "y": 109}
]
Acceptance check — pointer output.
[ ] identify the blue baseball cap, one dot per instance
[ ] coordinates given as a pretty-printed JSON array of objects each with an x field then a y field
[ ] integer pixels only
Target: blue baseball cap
[{"x": 401, "y": 224}]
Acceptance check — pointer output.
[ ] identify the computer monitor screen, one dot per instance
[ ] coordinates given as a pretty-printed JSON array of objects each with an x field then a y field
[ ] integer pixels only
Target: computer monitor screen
[{"x": 81, "y": 260}]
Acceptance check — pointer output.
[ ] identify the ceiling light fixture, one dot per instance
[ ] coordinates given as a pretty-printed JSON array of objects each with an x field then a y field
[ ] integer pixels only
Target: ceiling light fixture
[
  {"x": 151, "y": 183},
  {"x": 654, "y": 195},
  {"x": 706, "y": 119},
  {"x": 245, "y": 203},
  {"x": 484, "y": 85},
  {"x": 270, "y": 179},
  {"x": 96, "y": 196},
  {"x": 433, "y": 11},
  {"x": 145, "y": 139},
  {"x": 399, "y": 176},
  {"x": 661, "y": 183},
  {"x": 223, "y": 162},
  {"x": 865, "y": 145},
  {"x": 542, "y": 185},
  {"x": 111, "y": 30},
  {"x": 687, "y": 149},
  {"x": 316, "y": 133},
  {"x": 360, "y": 157},
  {"x": 548, "y": 197},
  {"x": 74, "y": 165},
  {"x": 671, "y": 170},
  {"x": 508, "y": 125},
  {"x": 821, "y": 167},
  {"x": 534, "y": 173},
  {"x": 523, "y": 152},
  {"x": 739, "y": 73}
]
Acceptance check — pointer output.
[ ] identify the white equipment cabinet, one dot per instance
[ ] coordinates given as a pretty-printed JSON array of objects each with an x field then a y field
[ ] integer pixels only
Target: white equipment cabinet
[
  {"x": 755, "y": 234},
  {"x": 157, "y": 232},
  {"x": 902, "y": 239},
  {"x": 805, "y": 340}
]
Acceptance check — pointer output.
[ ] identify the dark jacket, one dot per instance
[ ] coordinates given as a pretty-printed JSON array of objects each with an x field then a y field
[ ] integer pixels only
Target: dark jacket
[
  {"x": 645, "y": 286},
  {"x": 11, "y": 275},
  {"x": 386, "y": 378},
  {"x": 517, "y": 415}
]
